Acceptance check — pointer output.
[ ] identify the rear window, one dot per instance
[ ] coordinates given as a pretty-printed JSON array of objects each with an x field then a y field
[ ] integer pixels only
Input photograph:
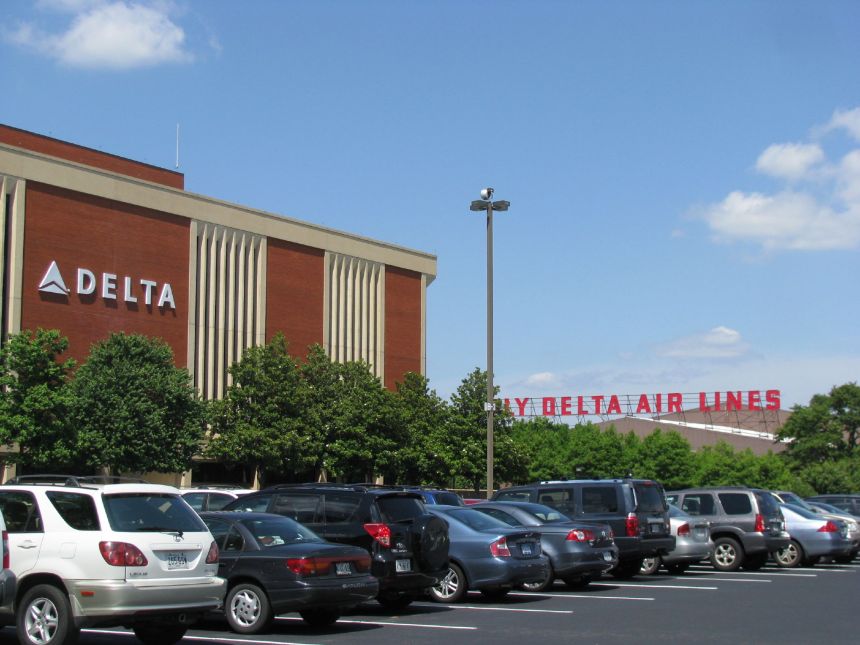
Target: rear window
[
  {"x": 255, "y": 503},
  {"x": 769, "y": 505},
  {"x": 340, "y": 507},
  {"x": 649, "y": 496},
  {"x": 146, "y": 512},
  {"x": 512, "y": 496},
  {"x": 277, "y": 531},
  {"x": 400, "y": 509},
  {"x": 451, "y": 499},
  {"x": 476, "y": 519},
  {"x": 736, "y": 503},
  {"x": 545, "y": 513},
  {"x": 599, "y": 499},
  {"x": 78, "y": 511}
]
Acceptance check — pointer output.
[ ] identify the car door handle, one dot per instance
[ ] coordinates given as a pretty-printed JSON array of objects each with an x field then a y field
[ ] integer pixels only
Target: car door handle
[{"x": 28, "y": 545}]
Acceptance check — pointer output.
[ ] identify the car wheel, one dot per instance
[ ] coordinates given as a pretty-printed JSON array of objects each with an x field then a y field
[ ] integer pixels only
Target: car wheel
[
  {"x": 844, "y": 559},
  {"x": 495, "y": 594},
  {"x": 577, "y": 582},
  {"x": 159, "y": 634},
  {"x": 320, "y": 617},
  {"x": 728, "y": 554},
  {"x": 626, "y": 569},
  {"x": 452, "y": 588},
  {"x": 811, "y": 561},
  {"x": 394, "y": 600},
  {"x": 677, "y": 569},
  {"x": 650, "y": 566},
  {"x": 755, "y": 562},
  {"x": 247, "y": 608},
  {"x": 541, "y": 585},
  {"x": 45, "y": 618},
  {"x": 791, "y": 556}
]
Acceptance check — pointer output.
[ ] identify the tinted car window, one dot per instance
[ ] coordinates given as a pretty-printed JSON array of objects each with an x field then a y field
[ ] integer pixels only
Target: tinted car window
[
  {"x": 340, "y": 507},
  {"x": 545, "y": 513},
  {"x": 151, "y": 512},
  {"x": 271, "y": 532},
  {"x": 78, "y": 511},
  {"x": 513, "y": 496},
  {"x": 735, "y": 503},
  {"x": 599, "y": 499},
  {"x": 20, "y": 512},
  {"x": 649, "y": 497},
  {"x": 217, "y": 501},
  {"x": 195, "y": 500},
  {"x": 301, "y": 507},
  {"x": 507, "y": 518},
  {"x": 256, "y": 503},
  {"x": 476, "y": 519},
  {"x": 698, "y": 504},
  {"x": 767, "y": 503},
  {"x": 398, "y": 509},
  {"x": 561, "y": 498},
  {"x": 451, "y": 499},
  {"x": 672, "y": 499},
  {"x": 219, "y": 531}
]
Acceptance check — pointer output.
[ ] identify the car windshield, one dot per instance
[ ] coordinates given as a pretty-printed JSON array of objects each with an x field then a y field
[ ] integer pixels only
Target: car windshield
[
  {"x": 277, "y": 531},
  {"x": 543, "y": 513},
  {"x": 151, "y": 512},
  {"x": 475, "y": 519}
]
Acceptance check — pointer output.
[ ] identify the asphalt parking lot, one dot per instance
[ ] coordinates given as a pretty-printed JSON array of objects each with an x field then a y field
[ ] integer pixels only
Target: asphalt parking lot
[{"x": 804, "y": 605}]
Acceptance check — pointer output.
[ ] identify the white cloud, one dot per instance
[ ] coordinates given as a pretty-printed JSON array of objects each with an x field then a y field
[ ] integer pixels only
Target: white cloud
[
  {"x": 541, "y": 379},
  {"x": 789, "y": 160},
  {"x": 823, "y": 215},
  {"x": 717, "y": 343},
  {"x": 113, "y": 35}
]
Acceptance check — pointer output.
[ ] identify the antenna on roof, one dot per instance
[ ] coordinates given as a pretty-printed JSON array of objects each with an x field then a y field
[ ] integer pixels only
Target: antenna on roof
[{"x": 177, "y": 146}]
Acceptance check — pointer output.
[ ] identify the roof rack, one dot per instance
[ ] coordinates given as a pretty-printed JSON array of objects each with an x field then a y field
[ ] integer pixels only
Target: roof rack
[{"x": 78, "y": 481}]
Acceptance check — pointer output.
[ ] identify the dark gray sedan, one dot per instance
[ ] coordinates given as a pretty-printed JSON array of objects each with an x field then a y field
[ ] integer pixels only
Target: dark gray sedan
[
  {"x": 487, "y": 555},
  {"x": 578, "y": 551}
]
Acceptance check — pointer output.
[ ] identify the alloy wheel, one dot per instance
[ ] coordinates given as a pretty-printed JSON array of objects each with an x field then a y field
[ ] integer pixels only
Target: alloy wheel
[{"x": 246, "y": 607}]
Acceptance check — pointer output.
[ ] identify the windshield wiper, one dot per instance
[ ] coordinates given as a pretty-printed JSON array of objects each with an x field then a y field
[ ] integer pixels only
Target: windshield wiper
[{"x": 177, "y": 532}]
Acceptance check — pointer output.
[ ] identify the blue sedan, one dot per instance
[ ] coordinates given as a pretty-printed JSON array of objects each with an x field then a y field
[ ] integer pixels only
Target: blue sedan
[{"x": 487, "y": 555}]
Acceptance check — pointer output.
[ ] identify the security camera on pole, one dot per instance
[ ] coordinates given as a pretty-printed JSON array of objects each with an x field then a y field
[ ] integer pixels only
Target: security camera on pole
[{"x": 486, "y": 204}]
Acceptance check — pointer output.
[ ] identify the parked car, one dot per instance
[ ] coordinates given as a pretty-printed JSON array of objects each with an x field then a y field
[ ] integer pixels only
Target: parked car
[
  {"x": 438, "y": 496},
  {"x": 853, "y": 522},
  {"x": 692, "y": 544},
  {"x": 578, "y": 551},
  {"x": 812, "y": 537},
  {"x": 487, "y": 555},
  {"x": 746, "y": 523},
  {"x": 846, "y": 502},
  {"x": 8, "y": 582},
  {"x": 635, "y": 509},
  {"x": 92, "y": 555},
  {"x": 320, "y": 580},
  {"x": 207, "y": 498},
  {"x": 407, "y": 545}
]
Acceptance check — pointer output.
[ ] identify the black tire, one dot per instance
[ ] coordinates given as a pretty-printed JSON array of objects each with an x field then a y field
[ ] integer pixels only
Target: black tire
[
  {"x": 542, "y": 585},
  {"x": 728, "y": 554},
  {"x": 791, "y": 556},
  {"x": 495, "y": 594},
  {"x": 247, "y": 609},
  {"x": 626, "y": 569},
  {"x": 394, "y": 600},
  {"x": 577, "y": 582},
  {"x": 159, "y": 633},
  {"x": 677, "y": 569},
  {"x": 755, "y": 562},
  {"x": 452, "y": 588},
  {"x": 430, "y": 543},
  {"x": 44, "y": 617},
  {"x": 811, "y": 561},
  {"x": 320, "y": 617},
  {"x": 844, "y": 559},
  {"x": 650, "y": 566}
]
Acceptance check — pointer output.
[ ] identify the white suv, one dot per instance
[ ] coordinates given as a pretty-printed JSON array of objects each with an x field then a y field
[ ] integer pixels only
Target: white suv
[{"x": 87, "y": 555}]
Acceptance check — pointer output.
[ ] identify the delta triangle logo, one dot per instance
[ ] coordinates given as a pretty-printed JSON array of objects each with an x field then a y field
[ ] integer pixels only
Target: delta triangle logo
[{"x": 53, "y": 281}]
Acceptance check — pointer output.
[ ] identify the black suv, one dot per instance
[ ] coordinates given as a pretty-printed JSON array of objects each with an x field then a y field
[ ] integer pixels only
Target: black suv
[
  {"x": 635, "y": 509},
  {"x": 746, "y": 523},
  {"x": 408, "y": 546}
]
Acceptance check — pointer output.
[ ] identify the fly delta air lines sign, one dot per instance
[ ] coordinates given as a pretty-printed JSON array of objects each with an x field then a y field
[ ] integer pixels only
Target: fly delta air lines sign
[{"x": 110, "y": 287}]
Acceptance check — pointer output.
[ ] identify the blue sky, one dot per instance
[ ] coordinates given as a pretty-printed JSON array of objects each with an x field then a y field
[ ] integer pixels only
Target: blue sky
[{"x": 684, "y": 177}]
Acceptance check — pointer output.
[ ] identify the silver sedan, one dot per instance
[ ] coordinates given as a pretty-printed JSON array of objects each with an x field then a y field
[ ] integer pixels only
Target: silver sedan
[
  {"x": 812, "y": 536},
  {"x": 692, "y": 544}
]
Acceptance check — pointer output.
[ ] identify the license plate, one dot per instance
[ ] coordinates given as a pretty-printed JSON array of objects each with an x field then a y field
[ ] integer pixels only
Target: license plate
[
  {"x": 177, "y": 560},
  {"x": 342, "y": 568},
  {"x": 607, "y": 556},
  {"x": 526, "y": 548},
  {"x": 657, "y": 528},
  {"x": 403, "y": 566}
]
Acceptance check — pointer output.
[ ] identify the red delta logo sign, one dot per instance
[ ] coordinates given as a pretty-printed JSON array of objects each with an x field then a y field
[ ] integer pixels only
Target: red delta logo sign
[{"x": 640, "y": 404}]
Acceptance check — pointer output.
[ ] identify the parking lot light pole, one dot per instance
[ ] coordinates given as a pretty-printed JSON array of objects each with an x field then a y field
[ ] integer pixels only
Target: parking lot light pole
[{"x": 486, "y": 204}]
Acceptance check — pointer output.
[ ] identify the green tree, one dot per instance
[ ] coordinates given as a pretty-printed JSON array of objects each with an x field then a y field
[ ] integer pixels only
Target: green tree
[
  {"x": 259, "y": 421},
  {"x": 827, "y": 429},
  {"x": 35, "y": 399},
  {"x": 595, "y": 452},
  {"x": 666, "y": 457},
  {"x": 134, "y": 409},
  {"x": 546, "y": 446}
]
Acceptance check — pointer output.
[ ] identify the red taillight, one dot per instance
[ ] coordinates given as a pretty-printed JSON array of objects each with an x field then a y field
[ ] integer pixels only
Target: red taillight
[
  {"x": 632, "y": 525},
  {"x": 5, "y": 550},
  {"x": 212, "y": 556},
  {"x": 684, "y": 529},
  {"x": 580, "y": 535},
  {"x": 379, "y": 532},
  {"x": 829, "y": 527},
  {"x": 122, "y": 554},
  {"x": 759, "y": 523},
  {"x": 499, "y": 548},
  {"x": 309, "y": 566}
]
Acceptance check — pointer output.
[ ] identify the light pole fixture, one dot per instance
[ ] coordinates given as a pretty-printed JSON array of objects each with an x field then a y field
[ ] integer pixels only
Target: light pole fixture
[{"x": 486, "y": 204}]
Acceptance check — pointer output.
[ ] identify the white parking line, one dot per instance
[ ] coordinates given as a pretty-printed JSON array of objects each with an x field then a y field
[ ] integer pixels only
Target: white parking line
[
  {"x": 736, "y": 580},
  {"x": 206, "y": 639},
  {"x": 779, "y": 574},
  {"x": 536, "y": 611},
  {"x": 575, "y": 595},
  {"x": 627, "y": 584},
  {"x": 381, "y": 623}
]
